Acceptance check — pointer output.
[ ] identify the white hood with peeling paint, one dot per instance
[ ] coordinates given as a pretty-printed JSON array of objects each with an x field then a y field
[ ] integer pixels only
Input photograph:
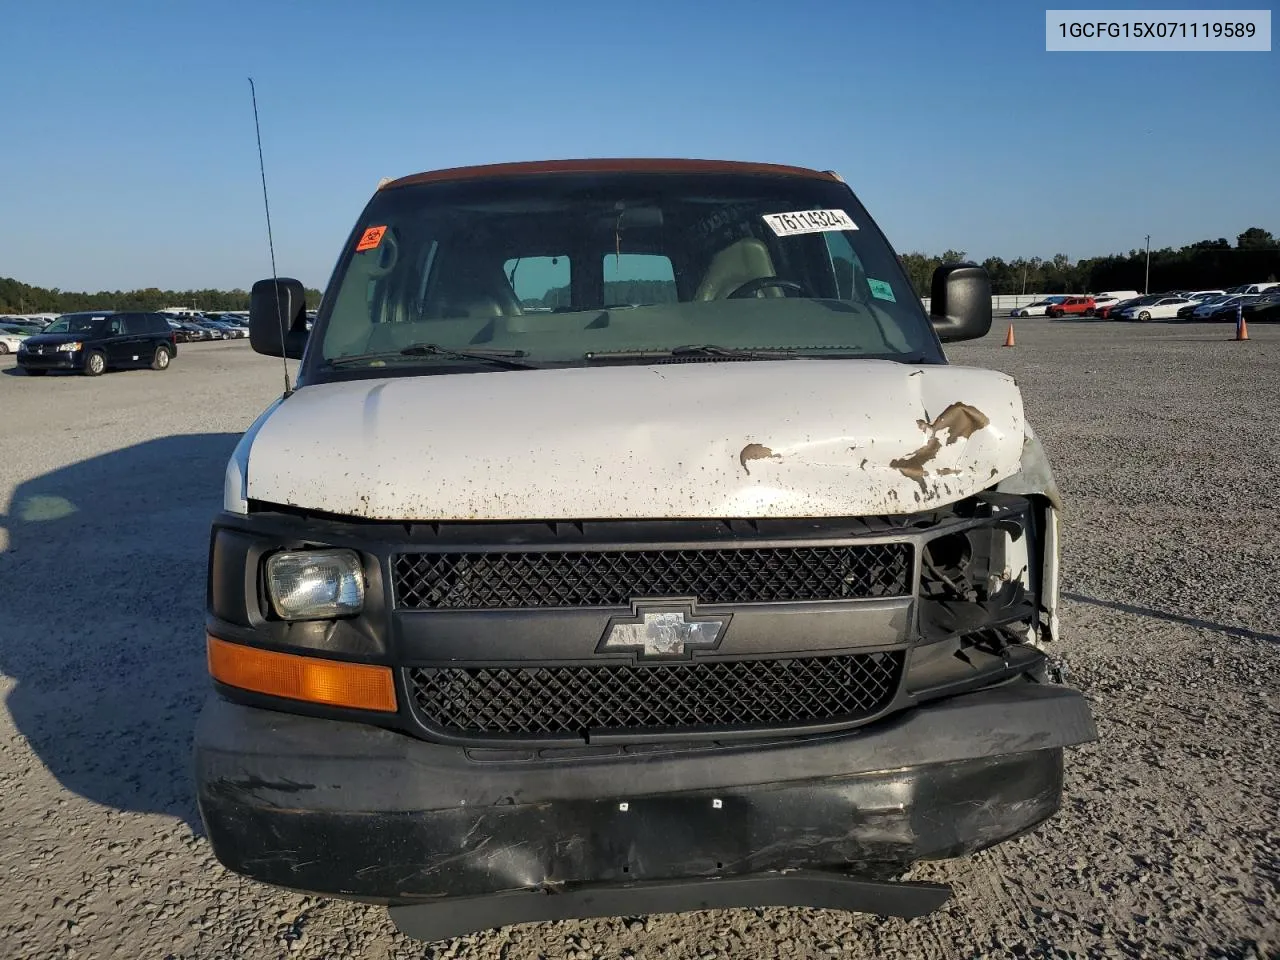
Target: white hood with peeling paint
[{"x": 791, "y": 438}]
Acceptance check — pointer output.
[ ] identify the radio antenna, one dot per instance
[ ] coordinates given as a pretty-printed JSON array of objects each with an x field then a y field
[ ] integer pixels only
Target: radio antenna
[{"x": 271, "y": 244}]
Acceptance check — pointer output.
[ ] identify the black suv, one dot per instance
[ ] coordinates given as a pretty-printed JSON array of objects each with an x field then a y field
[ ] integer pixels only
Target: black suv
[{"x": 97, "y": 339}]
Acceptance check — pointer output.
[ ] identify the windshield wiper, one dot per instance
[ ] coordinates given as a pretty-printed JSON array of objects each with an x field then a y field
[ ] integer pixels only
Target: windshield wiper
[
  {"x": 507, "y": 359},
  {"x": 695, "y": 350}
]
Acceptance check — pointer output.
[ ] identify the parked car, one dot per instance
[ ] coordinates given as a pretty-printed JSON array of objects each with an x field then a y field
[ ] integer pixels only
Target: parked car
[
  {"x": 1113, "y": 311},
  {"x": 1226, "y": 309},
  {"x": 1116, "y": 295},
  {"x": 1255, "y": 287},
  {"x": 1159, "y": 308},
  {"x": 24, "y": 323},
  {"x": 505, "y": 695},
  {"x": 95, "y": 341},
  {"x": 1198, "y": 309},
  {"x": 1037, "y": 309},
  {"x": 187, "y": 332},
  {"x": 1071, "y": 306},
  {"x": 1265, "y": 308},
  {"x": 1201, "y": 295},
  {"x": 215, "y": 331},
  {"x": 10, "y": 340},
  {"x": 232, "y": 330},
  {"x": 1102, "y": 304}
]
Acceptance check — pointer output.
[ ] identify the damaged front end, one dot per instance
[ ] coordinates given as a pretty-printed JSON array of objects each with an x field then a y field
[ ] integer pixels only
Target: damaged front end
[
  {"x": 988, "y": 584},
  {"x": 986, "y": 594},
  {"x": 874, "y": 694}
]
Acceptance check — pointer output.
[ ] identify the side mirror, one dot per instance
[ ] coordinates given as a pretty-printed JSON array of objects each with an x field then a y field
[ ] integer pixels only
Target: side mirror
[
  {"x": 960, "y": 302},
  {"x": 276, "y": 304}
]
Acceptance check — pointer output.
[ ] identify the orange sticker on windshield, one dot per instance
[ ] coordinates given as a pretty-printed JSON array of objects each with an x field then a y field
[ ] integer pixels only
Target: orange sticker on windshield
[{"x": 371, "y": 238}]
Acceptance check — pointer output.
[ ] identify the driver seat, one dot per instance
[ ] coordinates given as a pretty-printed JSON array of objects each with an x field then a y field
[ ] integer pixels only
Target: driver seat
[{"x": 742, "y": 261}]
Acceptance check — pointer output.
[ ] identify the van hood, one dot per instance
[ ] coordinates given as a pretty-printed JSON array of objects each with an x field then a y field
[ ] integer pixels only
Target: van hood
[
  {"x": 53, "y": 339},
  {"x": 792, "y": 438}
]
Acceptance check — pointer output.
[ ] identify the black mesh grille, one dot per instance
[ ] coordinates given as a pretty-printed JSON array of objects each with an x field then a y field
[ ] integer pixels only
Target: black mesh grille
[
  {"x": 576, "y": 699},
  {"x": 479, "y": 581}
]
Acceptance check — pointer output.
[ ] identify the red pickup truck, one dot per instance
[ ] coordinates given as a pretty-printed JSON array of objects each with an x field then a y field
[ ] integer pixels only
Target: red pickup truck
[{"x": 1078, "y": 305}]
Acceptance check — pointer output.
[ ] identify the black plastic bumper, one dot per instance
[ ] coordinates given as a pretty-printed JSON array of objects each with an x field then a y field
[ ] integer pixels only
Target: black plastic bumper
[
  {"x": 52, "y": 361},
  {"x": 355, "y": 811}
]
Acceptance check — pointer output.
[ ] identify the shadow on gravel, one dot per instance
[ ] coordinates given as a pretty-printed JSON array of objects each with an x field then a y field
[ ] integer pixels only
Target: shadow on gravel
[
  {"x": 102, "y": 591},
  {"x": 1174, "y": 618}
]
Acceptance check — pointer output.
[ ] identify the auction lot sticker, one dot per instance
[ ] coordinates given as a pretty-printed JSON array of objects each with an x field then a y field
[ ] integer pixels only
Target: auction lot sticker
[{"x": 808, "y": 221}]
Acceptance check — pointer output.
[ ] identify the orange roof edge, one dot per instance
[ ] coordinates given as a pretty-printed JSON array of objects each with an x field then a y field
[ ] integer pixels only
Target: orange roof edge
[{"x": 607, "y": 165}]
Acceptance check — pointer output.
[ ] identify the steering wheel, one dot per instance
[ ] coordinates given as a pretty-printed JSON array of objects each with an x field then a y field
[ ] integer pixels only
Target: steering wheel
[{"x": 752, "y": 287}]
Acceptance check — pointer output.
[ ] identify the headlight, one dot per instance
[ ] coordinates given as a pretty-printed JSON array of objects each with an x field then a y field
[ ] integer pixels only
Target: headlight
[
  {"x": 71, "y": 347},
  {"x": 315, "y": 584}
]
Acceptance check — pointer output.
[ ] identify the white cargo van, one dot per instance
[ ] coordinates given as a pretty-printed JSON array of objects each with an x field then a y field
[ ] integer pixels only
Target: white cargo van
[{"x": 629, "y": 545}]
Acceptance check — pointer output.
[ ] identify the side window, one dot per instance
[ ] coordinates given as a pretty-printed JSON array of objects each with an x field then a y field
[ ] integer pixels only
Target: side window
[
  {"x": 540, "y": 282},
  {"x": 115, "y": 325},
  {"x": 638, "y": 279}
]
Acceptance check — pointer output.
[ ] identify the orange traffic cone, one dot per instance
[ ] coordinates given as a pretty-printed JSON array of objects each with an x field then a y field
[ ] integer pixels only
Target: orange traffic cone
[
  {"x": 1008, "y": 338},
  {"x": 1242, "y": 330}
]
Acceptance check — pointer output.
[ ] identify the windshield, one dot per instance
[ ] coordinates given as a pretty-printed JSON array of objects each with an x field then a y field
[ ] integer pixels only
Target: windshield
[
  {"x": 567, "y": 269},
  {"x": 75, "y": 323}
]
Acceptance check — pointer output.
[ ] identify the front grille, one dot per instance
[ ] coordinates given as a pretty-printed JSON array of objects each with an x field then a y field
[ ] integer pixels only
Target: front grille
[
  {"x": 605, "y": 578},
  {"x": 574, "y": 700}
]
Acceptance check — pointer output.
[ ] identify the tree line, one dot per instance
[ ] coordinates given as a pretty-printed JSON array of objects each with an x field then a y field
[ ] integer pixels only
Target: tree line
[
  {"x": 1254, "y": 258},
  {"x": 22, "y": 298}
]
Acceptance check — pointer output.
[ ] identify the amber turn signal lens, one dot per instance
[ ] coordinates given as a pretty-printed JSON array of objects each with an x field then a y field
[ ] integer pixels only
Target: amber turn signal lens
[{"x": 333, "y": 683}]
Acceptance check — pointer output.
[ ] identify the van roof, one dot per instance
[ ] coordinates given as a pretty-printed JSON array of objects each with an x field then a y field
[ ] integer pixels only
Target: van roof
[{"x": 608, "y": 165}]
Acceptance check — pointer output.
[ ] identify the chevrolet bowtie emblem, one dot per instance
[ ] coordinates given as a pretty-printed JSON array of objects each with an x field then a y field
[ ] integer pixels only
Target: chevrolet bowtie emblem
[{"x": 662, "y": 629}]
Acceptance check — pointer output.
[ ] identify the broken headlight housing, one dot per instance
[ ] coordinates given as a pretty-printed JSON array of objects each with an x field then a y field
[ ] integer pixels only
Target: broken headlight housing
[{"x": 979, "y": 581}]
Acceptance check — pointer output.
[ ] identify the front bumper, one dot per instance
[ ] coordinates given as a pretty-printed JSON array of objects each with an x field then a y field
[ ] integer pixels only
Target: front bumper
[
  {"x": 61, "y": 360},
  {"x": 355, "y": 811}
]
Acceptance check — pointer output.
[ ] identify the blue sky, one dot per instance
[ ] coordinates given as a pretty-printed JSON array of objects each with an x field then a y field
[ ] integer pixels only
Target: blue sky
[{"x": 129, "y": 159}]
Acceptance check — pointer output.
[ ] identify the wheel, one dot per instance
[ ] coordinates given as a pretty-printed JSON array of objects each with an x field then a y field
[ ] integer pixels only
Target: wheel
[
  {"x": 4, "y": 348},
  {"x": 36, "y": 373},
  {"x": 1144, "y": 315},
  {"x": 161, "y": 360},
  {"x": 95, "y": 364}
]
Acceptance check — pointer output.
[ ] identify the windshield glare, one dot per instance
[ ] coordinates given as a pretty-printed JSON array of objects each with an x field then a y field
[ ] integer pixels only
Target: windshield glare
[
  {"x": 75, "y": 323},
  {"x": 565, "y": 265}
]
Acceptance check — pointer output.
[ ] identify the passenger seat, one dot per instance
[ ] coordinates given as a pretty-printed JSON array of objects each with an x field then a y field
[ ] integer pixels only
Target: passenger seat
[{"x": 747, "y": 259}]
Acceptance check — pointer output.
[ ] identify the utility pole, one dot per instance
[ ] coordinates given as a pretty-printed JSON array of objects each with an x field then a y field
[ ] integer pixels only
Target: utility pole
[{"x": 1146, "y": 287}]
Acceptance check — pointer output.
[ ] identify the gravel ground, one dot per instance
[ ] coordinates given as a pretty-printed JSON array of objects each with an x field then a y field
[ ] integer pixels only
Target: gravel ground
[{"x": 1168, "y": 844}]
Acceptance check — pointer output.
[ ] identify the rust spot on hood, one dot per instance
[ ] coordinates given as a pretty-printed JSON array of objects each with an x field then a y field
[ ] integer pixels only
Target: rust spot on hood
[
  {"x": 960, "y": 420},
  {"x": 913, "y": 466},
  {"x": 755, "y": 451}
]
